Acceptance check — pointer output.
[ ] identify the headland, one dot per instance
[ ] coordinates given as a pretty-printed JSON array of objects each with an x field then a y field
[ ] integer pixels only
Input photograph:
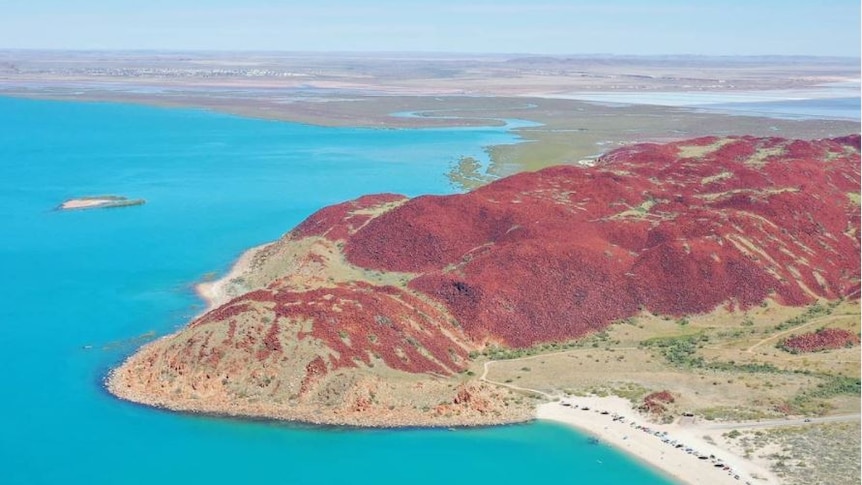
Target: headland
[{"x": 689, "y": 261}]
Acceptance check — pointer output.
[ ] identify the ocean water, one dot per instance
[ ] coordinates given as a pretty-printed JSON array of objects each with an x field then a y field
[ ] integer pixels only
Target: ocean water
[{"x": 78, "y": 288}]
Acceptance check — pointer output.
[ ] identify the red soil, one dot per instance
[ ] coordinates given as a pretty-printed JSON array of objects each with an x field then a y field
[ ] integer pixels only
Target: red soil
[
  {"x": 822, "y": 339},
  {"x": 553, "y": 255},
  {"x": 313, "y": 372},
  {"x": 360, "y": 323},
  {"x": 340, "y": 221}
]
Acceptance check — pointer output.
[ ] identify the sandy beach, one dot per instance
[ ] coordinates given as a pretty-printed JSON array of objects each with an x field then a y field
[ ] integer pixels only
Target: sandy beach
[
  {"x": 220, "y": 291},
  {"x": 614, "y": 422},
  {"x": 84, "y": 203}
]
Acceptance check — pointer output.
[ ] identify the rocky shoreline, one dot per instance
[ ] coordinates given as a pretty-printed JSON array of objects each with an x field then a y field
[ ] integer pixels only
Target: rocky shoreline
[
  {"x": 433, "y": 402},
  {"x": 400, "y": 401}
]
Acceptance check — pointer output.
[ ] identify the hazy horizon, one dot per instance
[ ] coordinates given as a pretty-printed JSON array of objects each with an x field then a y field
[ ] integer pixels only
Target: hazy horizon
[
  {"x": 831, "y": 28},
  {"x": 442, "y": 54}
]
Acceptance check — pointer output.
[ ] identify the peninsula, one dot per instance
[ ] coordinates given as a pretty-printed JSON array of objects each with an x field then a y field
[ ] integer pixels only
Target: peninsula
[{"x": 674, "y": 270}]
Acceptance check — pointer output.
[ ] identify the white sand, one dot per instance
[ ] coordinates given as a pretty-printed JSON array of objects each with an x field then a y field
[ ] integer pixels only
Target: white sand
[
  {"x": 649, "y": 448},
  {"x": 84, "y": 203},
  {"x": 218, "y": 292}
]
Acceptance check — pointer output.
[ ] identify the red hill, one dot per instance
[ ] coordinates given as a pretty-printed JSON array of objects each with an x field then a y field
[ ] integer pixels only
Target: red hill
[
  {"x": 673, "y": 229},
  {"x": 335, "y": 314}
]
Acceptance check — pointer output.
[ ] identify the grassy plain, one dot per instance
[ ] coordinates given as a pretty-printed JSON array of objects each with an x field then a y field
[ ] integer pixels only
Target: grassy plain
[
  {"x": 720, "y": 366},
  {"x": 796, "y": 453},
  {"x": 724, "y": 368}
]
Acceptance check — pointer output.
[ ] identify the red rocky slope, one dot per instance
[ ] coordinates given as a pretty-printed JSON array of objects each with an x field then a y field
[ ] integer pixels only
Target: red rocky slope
[{"x": 673, "y": 229}]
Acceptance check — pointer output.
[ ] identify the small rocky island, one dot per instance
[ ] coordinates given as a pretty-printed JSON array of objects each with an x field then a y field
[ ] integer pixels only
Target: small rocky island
[{"x": 99, "y": 202}]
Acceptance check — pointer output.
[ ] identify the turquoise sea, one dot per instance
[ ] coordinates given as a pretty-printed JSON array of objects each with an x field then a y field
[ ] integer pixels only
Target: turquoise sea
[{"x": 78, "y": 287}]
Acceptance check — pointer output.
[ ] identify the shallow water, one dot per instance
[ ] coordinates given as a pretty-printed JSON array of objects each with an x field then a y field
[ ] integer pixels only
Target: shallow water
[
  {"x": 77, "y": 286},
  {"x": 831, "y": 103},
  {"x": 798, "y": 109}
]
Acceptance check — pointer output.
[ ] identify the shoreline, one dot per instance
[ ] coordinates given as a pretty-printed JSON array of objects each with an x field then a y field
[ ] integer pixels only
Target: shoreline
[
  {"x": 651, "y": 449},
  {"x": 309, "y": 418},
  {"x": 692, "y": 102},
  {"x": 536, "y": 148},
  {"x": 219, "y": 291},
  {"x": 646, "y": 448}
]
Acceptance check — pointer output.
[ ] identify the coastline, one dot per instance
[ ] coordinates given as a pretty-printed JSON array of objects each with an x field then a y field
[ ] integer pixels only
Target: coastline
[
  {"x": 539, "y": 147},
  {"x": 300, "y": 415},
  {"x": 649, "y": 448},
  {"x": 120, "y": 383},
  {"x": 646, "y": 447},
  {"x": 676, "y": 463}
]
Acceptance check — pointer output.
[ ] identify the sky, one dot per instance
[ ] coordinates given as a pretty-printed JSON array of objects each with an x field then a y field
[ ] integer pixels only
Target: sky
[{"x": 636, "y": 27}]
